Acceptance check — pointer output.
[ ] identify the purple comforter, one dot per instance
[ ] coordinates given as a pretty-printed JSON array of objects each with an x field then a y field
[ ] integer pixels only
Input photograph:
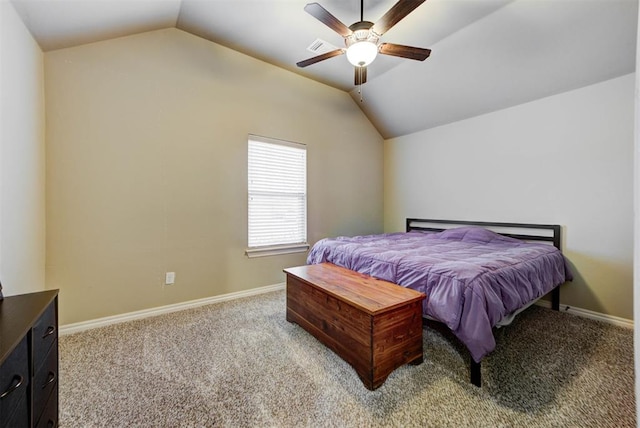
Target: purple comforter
[{"x": 472, "y": 277}]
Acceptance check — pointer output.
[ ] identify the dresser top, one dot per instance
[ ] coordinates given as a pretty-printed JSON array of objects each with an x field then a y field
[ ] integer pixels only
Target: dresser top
[{"x": 18, "y": 314}]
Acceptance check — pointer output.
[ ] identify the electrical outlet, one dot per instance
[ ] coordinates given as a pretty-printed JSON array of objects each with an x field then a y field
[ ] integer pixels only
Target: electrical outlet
[{"x": 169, "y": 278}]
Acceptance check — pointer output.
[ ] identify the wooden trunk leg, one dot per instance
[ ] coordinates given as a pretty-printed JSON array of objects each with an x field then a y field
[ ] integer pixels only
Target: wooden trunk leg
[
  {"x": 474, "y": 371},
  {"x": 417, "y": 361}
]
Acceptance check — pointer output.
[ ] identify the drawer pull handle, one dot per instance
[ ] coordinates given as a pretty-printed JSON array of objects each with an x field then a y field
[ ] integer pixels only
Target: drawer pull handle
[
  {"x": 51, "y": 423},
  {"x": 50, "y": 330},
  {"x": 12, "y": 388},
  {"x": 50, "y": 378}
]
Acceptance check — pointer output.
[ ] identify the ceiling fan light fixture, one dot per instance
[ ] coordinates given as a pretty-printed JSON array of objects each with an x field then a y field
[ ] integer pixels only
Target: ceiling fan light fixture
[{"x": 362, "y": 53}]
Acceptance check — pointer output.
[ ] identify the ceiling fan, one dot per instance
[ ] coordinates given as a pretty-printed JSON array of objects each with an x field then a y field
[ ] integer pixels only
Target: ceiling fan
[{"x": 362, "y": 39}]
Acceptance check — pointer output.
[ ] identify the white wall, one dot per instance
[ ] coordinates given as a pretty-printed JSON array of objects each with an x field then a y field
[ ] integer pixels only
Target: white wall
[
  {"x": 22, "y": 221},
  {"x": 636, "y": 216},
  {"x": 566, "y": 159},
  {"x": 147, "y": 169}
]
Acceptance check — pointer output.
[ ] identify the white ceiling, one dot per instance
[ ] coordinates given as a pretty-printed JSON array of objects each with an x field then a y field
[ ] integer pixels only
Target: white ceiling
[{"x": 486, "y": 54}]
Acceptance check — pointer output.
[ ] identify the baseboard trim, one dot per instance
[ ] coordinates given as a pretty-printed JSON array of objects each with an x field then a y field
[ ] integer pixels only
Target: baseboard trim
[
  {"x": 145, "y": 313},
  {"x": 585, "y": 313}
]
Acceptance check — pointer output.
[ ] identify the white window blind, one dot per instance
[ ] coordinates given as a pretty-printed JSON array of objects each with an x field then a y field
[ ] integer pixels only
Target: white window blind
[{"x": 277, "y": 194}]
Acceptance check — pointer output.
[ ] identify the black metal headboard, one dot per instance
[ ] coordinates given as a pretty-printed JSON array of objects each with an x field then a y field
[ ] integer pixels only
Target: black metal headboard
[{"x": 524, "y": 231}]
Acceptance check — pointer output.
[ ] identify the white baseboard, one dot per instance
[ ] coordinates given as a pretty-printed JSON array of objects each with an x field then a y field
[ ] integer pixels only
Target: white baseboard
[
  {"x": 610, "y": 319},
  {"x": 101, "y": 322}
]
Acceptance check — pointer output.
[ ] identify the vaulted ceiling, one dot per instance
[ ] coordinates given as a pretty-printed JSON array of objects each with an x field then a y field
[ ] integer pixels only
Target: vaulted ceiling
[{"x": 486, "y": 54}]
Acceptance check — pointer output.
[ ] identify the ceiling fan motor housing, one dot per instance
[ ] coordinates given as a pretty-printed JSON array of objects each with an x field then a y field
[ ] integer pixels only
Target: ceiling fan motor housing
[{"x": 362, "y": 32}]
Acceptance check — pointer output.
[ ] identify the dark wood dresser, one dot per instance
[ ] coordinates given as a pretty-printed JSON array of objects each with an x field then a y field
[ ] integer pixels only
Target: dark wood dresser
[{"x": 29, "y": 360}]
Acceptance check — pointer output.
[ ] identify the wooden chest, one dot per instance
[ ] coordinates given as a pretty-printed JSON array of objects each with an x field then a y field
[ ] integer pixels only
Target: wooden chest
[{"x": 374, "y": 325}]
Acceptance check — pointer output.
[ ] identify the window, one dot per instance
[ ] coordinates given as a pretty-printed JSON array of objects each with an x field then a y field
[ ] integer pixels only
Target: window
[{"x": 277, "y": 185}]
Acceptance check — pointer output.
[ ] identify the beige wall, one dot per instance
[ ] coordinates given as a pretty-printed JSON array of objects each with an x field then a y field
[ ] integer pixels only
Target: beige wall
[
  {"x": 22, "y": 188},
  {"x": 566, "y": 159},
  {"x": 146, "y": 169}
]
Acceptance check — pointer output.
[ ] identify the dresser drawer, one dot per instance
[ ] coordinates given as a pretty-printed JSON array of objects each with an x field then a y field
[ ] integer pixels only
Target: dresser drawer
[
  {"x": 49, "y": 418},
  {"x": 14, "y": 384},
  {"x": 45, "y": 381},
  {"x": 45, "y": 333},
  {"x": 19, "y": 417}
]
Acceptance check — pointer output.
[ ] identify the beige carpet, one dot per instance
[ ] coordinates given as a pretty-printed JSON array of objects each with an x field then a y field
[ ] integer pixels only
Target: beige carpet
[{"x": 241, "y": 364}]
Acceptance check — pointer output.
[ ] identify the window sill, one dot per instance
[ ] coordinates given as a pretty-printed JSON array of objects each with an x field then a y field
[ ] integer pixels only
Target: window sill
[{"x": 275, "y": 250}]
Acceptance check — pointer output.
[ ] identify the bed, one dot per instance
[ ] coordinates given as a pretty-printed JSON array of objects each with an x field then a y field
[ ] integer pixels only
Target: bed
[{"x": 476, "y": 275}]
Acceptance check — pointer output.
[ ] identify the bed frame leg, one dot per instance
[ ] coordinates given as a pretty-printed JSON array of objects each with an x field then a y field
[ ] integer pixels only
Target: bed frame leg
[
  {"x": 555, "y": 299},
  {"x": 474, "y": 372}
]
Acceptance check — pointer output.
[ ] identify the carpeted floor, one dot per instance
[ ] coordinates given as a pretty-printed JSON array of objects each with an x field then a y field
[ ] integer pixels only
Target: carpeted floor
[{"x": 241, "y": 364}]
